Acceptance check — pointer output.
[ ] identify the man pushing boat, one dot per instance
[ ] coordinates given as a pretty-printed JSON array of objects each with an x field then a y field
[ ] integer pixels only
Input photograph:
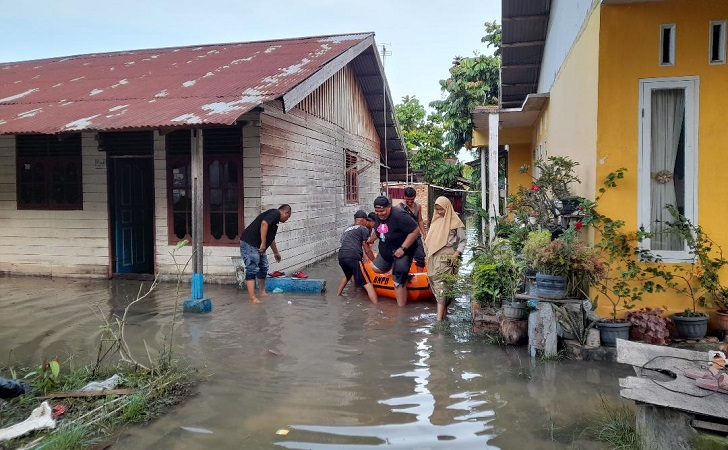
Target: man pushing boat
[{"x": 397, "y": 232}]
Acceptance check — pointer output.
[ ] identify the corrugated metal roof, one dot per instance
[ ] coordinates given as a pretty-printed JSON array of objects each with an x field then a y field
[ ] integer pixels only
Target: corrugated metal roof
[
  {"x": 169, "y": 87},
  {"x": 525, "y": 23}
]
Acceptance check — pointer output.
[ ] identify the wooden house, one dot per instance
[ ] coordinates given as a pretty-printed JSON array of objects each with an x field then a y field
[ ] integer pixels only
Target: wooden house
[
  {"x": 619, "y": 83},
  {"x": 107, "y": 161}
]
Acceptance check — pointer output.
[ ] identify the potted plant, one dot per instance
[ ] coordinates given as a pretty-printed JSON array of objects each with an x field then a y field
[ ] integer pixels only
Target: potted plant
[
  {"x": 549, "y": 196},
  {"x": 648, "y": 325},
  {"x": 566, "y": 266},
  {"x": 497, "y": 274},
  {"x": 625, "y": 280},
  {"x": 697, "y": 279}
]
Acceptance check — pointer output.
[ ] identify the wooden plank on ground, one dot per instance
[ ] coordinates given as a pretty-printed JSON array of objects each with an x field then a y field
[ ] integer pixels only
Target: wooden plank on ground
[
  {"x": 672, "y": 394},
  {"x": 90, "y": 393}
]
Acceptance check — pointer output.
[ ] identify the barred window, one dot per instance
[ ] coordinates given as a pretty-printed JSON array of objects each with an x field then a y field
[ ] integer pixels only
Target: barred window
[
  {"x": 49, "y": 172},
  {"x": 352, "y": 177}
]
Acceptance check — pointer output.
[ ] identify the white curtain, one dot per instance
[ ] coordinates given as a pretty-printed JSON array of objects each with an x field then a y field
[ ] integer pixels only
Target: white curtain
[{"x": 668, "y": 115}]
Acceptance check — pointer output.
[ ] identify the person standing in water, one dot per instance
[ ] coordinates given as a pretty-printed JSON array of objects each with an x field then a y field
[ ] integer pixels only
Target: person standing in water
[
  {"x": 415, "y": 210},
  {"x": 353, "y": 248},
  {"x": 445, "y": 244}
]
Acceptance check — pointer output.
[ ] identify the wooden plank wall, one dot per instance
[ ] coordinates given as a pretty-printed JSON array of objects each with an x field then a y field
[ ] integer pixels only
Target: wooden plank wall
[
  {"x": 55, "y": 243},
  {"x": 302, "y": 164},
  {"x": 217, "y": 266},
  {"x": 295, "y": 158}
]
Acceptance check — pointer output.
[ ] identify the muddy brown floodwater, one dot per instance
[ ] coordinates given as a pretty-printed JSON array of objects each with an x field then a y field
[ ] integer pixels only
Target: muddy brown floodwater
[{"x": 337, "y": 372}]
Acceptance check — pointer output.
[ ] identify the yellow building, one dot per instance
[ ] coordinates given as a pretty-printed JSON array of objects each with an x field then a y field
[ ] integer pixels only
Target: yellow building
[{"x": 615, "y": 83}]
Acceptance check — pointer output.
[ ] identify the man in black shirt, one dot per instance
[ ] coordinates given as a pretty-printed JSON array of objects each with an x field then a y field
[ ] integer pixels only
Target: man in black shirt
[
  {"x": 256, "y": 239},
  {"x": 353, "y": 246},
  {"x": 415, "y": 210},
  {"x": 397, "y": 232}
]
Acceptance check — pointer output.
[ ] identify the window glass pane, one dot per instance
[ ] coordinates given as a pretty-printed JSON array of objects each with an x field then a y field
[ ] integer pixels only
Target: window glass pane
[
  {"x": 216, "y": 226},
  {"x": 231, "y": 225},
  {"x": 667, "y": 164}
]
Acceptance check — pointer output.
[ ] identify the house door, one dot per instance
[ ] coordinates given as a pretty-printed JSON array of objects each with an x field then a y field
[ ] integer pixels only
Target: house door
[{"x": 132, "y": 215}]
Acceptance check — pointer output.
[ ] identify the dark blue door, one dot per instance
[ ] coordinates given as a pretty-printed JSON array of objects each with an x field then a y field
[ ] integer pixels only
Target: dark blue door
[{"x": 133, "y": 200}]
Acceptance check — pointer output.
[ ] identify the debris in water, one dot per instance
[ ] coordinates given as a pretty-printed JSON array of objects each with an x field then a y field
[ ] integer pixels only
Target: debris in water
[
  {"x": 282, "y": 432},
  {"x": 197, "y": 430},
  {"x": 277, "y": 290}
]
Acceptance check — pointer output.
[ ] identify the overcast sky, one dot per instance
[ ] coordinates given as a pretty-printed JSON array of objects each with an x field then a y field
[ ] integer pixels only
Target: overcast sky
[{"x": 423, "y": 35}]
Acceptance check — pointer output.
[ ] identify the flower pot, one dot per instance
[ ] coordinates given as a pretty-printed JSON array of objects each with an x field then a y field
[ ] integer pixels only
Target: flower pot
[
  {"x": 550, "y": 286},
  {"x": 569, "y": 205},
  {"x": 690, "y": 327},
  {"x": 609, "y": 332},
  {"x": 515, "y": 310},
  {"x": 722, "y": 319}
]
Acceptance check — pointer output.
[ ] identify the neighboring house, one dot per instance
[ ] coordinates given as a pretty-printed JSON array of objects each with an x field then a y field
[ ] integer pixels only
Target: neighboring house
[
  {"x": 102, "y": 154},
  {"x": 635, "y": 84}
]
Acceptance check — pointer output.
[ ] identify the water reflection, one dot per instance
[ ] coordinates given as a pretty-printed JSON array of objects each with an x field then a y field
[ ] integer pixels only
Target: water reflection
[{"x": 338, "y": 372}]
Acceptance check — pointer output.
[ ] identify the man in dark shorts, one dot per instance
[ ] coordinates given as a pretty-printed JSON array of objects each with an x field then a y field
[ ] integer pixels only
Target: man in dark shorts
[
  {"x": 397, "y": 232},
  {"x": 415, "y": 210},
  {"x": 254, "y": 242},
  {"x": 353, "y": 247}
]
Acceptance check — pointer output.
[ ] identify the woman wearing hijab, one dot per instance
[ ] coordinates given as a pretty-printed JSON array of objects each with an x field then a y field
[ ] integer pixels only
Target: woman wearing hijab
[{"x": 444, "y": 244}]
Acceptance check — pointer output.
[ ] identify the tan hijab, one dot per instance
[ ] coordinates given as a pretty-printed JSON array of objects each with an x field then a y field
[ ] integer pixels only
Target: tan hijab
[{"x": 441, "y": 226}]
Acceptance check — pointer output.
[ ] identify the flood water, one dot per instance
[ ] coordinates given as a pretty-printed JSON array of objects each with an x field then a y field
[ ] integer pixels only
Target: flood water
[{"x": 337, "y": 372}]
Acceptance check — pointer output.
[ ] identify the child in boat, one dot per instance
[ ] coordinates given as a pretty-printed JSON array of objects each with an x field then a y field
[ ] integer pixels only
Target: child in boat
[{"x": 353, "y": 248}]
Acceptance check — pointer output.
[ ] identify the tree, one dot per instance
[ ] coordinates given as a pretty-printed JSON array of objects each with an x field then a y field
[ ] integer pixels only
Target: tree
[
  {"x": 423, "y": 137},
  {"x": 473, "y": 82}
]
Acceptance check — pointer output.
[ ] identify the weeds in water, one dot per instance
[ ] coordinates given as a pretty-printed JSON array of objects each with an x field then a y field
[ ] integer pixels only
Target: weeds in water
[{"x": 615, "y": 425}]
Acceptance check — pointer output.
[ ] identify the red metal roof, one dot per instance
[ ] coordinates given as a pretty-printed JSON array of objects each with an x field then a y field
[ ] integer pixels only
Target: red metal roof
[{"x": 169, "y": 87}]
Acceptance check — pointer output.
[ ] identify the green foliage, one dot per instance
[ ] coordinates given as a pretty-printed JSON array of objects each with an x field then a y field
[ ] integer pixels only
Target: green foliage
[
  {"x": 473, "y": 81},
  {"x": 497, "y": 273},
  {"x": 535, "y": 241},
  {"x": 423, "y": 137},
  {"x": 540, "y": 200},
  {"x": 699, "y": 279},
  {"x": 569, "y": 257},
  {"x": 575, "y": 322},
  {"x": 615, "y": 425},
  {"x": 45, "y": 378}
]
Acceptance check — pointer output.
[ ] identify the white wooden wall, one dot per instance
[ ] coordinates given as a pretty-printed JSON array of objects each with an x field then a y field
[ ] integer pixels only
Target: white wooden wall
[{"x": 55, "y": 243}]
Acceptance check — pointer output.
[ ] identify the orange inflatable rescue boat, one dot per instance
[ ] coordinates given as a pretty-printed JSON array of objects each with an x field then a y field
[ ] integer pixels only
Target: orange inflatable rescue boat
[{"x": 418, "y": 287}]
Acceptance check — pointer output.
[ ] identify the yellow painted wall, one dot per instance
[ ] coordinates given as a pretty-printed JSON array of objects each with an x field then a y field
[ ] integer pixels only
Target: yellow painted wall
[
  {"x": 506, "y": 136},
  {"x": 569, "y": 124},
  {"x": 629, "y": 49},
  {"x": 518, "y": 155}
]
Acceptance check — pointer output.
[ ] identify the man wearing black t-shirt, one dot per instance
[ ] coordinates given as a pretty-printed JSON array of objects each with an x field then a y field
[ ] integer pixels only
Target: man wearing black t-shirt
[
  {"x": 353, "y": 247},
  {"x": 397, "y": 232},
  {"x": 256, "y": 239}
]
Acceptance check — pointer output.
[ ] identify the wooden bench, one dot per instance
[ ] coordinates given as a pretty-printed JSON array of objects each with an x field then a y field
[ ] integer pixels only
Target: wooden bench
[{"x": 669, "y": 405}]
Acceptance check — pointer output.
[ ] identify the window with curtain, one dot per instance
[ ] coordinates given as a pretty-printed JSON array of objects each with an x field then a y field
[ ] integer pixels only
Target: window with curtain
[{"x": 667, "y": 161}]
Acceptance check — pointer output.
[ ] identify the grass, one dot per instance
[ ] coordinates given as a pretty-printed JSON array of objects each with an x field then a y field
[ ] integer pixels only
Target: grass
[
  {"x": 614, "y": 425},
  {"x": 89, "y": 420}
]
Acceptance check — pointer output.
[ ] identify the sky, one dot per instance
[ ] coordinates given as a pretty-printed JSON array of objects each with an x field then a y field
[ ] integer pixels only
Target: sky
[{"x": 423, "y": 35}]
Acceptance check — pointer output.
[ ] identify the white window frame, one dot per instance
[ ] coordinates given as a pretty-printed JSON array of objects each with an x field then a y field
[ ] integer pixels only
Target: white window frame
[
  {"x": 673, "y": 38},
  {"x": 646, "y": 87},
  {"x": 721, "y": 42}
]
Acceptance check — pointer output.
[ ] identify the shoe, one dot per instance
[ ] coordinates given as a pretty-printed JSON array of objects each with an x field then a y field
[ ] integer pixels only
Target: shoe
[
  {"x": 299, "y": 275},
  {"x": 719, "y": 384},
  {"x": 710, "y": 373},
  {"x": 276, "y": 274}
]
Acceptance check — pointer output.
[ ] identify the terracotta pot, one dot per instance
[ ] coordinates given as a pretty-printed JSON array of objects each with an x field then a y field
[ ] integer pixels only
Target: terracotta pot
[{"x": 722, "y": 319}]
